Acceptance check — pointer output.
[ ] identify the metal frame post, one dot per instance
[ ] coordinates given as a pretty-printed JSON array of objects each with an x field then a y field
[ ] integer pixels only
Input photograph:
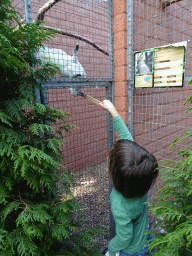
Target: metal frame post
[
  {"x": 110, "y": 139},
  {"x": 130, "y": 64},
  {"x": 110, "y": 88},
  {"x": 40, "y": 98},
  {"x": 29, "y": 19},
  {"x": 110, "y": 36},
  {"x": 27, "y": 11},
  {"x": 110, "y": 96}
]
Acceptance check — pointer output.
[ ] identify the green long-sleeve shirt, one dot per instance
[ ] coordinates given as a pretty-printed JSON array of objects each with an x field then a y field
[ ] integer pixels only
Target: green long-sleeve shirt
[{"x": 130, "y": 215}]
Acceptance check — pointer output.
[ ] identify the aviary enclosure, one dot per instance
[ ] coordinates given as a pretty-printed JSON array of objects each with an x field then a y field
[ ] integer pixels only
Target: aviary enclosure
[{"x": 97, "y": 40}]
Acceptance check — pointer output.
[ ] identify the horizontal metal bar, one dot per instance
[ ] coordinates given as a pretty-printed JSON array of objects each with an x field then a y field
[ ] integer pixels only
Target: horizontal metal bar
[
  {"x": 78, "y": 80},
  {"x": 75, "y": 85}
]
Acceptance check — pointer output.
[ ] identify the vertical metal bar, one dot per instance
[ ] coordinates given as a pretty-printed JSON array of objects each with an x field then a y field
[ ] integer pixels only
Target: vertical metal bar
[
  {"x": 110, "y": 38},
  {"x": 110, "y": 96},
  {"x": 40, "y": 98},
  {"x": 110, "y": 89},
  {"x": 110, "y": 126},
  {"x": 130, "y": 63},
  {"x": 110, "y": 139},
  {"x": 27, "y": 11},
  {"x": 29, "y": 19},
  {"x": 44, "y": 101}
]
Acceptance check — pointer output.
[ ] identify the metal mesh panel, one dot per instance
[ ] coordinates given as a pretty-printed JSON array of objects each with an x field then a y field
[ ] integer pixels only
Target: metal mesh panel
[
  {"x": 86, "y": 23},
  {"x": 86, "y": 148},
  {"x": 86, "y": 154},
  {"x": 158, "y": 114},
  {"x": 19, "y": 7},
  {"x": 87, "y": 145}
]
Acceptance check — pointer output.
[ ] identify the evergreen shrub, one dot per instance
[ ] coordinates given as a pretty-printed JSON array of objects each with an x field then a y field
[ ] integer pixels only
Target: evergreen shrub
[
  {"x": 34, "y": 218},
  {"x": 173, "y": 204}
]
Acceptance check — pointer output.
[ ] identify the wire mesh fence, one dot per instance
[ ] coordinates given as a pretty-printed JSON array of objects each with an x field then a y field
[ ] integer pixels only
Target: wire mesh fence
[
  {"x": 79, "y": 22},
  {"x": 20, "y": 8},
  {"x": 81, "y": 47},
  {"x": 87, "y": 145},
  {"x": 86, "y": 154},
  {"x": 158, "y": 113},
  {"x": 86, "y": 24}
]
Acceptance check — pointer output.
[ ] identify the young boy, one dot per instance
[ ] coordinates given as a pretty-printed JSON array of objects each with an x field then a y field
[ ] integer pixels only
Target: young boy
[{"x": 133, "y": 171}]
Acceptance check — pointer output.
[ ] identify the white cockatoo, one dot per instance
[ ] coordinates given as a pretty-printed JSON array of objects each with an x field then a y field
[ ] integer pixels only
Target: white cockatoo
[
  {"x": 142, "y": 66},
  {"x": 70, "y": 66}
]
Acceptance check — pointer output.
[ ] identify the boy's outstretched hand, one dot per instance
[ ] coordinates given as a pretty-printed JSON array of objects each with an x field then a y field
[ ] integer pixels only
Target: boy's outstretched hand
[{"x": 108, "y": 105}]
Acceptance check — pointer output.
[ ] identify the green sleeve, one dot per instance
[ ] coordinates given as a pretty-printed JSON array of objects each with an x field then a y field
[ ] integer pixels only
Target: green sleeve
[{"x": 121, "y": 128}]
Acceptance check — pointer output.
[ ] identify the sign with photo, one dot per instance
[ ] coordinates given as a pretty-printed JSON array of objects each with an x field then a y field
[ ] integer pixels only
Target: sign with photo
[{"x": 160, "y": 67}]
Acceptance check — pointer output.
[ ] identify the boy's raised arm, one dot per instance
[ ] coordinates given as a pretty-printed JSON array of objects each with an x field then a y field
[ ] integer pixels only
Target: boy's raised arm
[
  {"x": 108, "y": 105},
  {"x": 120, "y": 126}
]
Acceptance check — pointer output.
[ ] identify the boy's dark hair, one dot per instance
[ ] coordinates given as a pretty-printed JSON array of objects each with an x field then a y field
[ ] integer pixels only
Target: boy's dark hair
[{"x": 132, "y": 168}]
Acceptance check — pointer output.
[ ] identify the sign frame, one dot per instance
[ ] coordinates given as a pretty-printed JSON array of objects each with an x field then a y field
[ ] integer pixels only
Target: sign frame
[{"x": 165, "y": 69}]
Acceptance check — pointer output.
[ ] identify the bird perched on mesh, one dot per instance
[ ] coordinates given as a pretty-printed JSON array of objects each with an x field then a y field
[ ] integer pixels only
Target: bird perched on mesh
[
  {"x": 142, "y": 66},
  {"x": 70, "y": 66}
]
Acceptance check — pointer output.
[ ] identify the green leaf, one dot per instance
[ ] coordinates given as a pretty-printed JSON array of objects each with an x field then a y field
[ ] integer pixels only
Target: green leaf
[
  {"x": 35, "y": 129},
  {"x": 5, "y": 119},
  {"x": 180, "y": 138},
  {"x": 13, "y": 206},
  {"x": 26, "y": 246}
]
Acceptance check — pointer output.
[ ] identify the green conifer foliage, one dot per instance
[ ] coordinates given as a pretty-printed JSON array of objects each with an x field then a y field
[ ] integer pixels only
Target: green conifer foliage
[
  {"x": 174, "y": 201},
  {"x": 34, "y": 219}
]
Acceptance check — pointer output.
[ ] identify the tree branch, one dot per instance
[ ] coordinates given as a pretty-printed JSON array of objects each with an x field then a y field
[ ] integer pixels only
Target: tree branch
[
  {"x": 44, "y": 9},
  {"x": 41, "y": 15},
  {"x": 62, "y": 32},
  {"x": 168, "y": 2}
]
